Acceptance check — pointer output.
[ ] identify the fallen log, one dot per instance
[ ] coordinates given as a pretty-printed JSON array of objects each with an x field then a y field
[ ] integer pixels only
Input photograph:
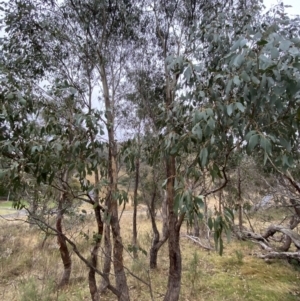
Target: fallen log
[
  {"x": 280, "y": 255},
  {"x": 264, "y": 245},
  {"x": 263, "y": 241},
  {"x": 288, "y": 232}
]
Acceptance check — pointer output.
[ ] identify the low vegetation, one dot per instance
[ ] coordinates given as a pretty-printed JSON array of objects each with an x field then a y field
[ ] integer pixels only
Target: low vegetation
[{"x": 30, "y": 269}]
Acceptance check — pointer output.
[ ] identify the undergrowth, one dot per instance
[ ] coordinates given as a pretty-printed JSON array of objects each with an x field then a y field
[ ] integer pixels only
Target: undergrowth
[{"x": 30, "y": 272}]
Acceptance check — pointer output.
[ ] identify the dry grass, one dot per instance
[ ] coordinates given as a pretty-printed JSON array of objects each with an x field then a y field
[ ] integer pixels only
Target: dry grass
[{"x": 28, "y": 272}]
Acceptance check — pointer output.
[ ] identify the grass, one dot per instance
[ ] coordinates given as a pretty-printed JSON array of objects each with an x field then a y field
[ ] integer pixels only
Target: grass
[
  {"x": 6, "y": 204},
  {"x": 28, "y": 272},
  {"x": 6, "y": 207}
]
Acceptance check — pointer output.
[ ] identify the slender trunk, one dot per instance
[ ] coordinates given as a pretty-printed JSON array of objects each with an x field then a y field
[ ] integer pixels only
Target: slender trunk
[
  {"x": 134, "y": 229},
  {"x": 121, "y": 281},
  {"x": 107, "y": 259},
  {"x": 174, "y": 279},
  {"x": 165, "y": 214},
  {"x": 157, "y": 243},
  {"x": 33, "y": 209},
  {"x": 63, "y": 247},
  {"x": 240, "y": 205},
  {"x": 204, "y": 229},
  {"x": 94, "y": 253},
  {"x": 220, "y": 198},
  {"x": 196, "y": 225}
]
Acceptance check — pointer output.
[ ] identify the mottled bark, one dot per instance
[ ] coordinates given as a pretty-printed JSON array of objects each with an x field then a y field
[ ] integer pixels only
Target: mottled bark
[
  {"x": 97, "y": 242},
  {"x": 174, "y": 280},
  {"x": 196, "y": 225},
  {"x": 63, "y": 247},
  {"x": 121, "y": 281},
  {"x": 107, "y": 259},
  {"x": 157, "y": 243}
]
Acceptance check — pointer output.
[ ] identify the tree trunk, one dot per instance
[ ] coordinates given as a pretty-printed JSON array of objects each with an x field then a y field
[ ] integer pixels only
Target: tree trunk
[
  {"x": 204, "y": 229},
  {"x": 196, "y": 225},
  {"x": 94, "y": 253},
  {"x": 121, "y": 282},
  {"x": 220, "y": 198},
  {"x": 156, "y": 242},
  {"x": 107, "y": 259},
  {"x": 174, "y": 279},
  {"x": 134, "y": 229},
  {"x": 33, "y": 208},
  {"x": 94, "y": 256},
  {"x": 63, "y": 248},
  {"x": 240, "y": 204}
]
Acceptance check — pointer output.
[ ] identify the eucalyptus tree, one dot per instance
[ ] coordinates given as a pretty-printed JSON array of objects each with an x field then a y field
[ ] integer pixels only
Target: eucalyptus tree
[
  {"x": 230, "y": 77},
  {"x": 243, "y": 88},
  {"x": 78, "y": 43},
  {"x": 241, "y": 79},
  {"x": 44, "y": 151},
  {"x": 147, "y": 96},
  {"x": 172, "y": 34}
]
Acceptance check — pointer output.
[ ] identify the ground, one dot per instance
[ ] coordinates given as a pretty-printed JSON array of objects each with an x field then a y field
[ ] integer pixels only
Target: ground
[{"x": 30, "y": 272}]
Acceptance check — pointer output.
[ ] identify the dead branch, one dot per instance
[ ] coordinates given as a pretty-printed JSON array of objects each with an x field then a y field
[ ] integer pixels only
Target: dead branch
[
  {"x": 280, "y": 255},
  {"x": 288, "y": 232},
  {"x": 198, "y": 242},
  {"x": 263, "y": 245}
]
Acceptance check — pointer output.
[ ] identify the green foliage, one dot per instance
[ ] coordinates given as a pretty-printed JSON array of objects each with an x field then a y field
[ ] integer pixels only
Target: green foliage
[
  {"x": 194, "y": 272},
  {"x": 220, "y": 224},
  {"x": 135, "y": 249},
  {"x": 31, "y": 291},
  {"x": 239, "y": 257}
]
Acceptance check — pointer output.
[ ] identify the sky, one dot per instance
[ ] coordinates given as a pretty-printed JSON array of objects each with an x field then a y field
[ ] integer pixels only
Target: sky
[{"x": 294, "y": 10}]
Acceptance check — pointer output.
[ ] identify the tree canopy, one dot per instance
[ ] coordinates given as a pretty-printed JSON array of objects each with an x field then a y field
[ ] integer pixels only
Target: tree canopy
[{"x": 194, "y": 84}]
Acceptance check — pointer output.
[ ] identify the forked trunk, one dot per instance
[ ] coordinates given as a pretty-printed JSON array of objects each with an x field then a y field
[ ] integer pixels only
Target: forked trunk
[{"x": 157, "y": 243}]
